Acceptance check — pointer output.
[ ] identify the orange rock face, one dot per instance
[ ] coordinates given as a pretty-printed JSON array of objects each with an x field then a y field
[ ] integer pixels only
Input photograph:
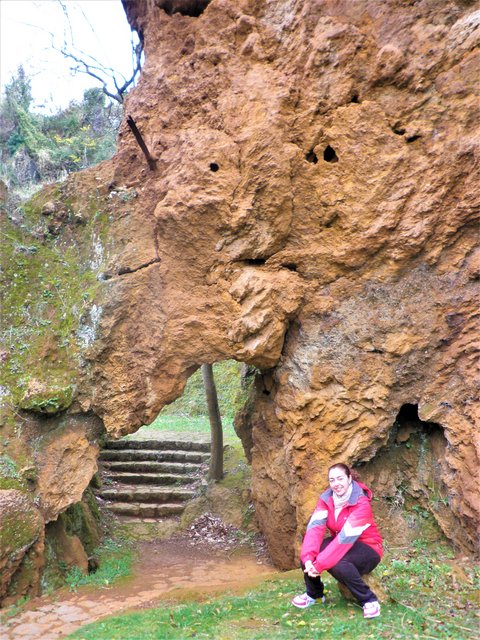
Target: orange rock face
[{"x": 313, "y": 212}]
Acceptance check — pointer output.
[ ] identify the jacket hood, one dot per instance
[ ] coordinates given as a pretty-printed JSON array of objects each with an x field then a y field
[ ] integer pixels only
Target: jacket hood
[{"x": 358, "y": 490}]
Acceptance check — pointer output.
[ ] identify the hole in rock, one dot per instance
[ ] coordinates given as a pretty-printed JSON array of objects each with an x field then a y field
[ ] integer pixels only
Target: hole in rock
[
  {"x": 255, "y": 261},
  {"x": 355, "y": 98},
  {"x": 93, "y": 564},
  {"x": 399, "y": 131},
  {"x": 311, "y": 156},
  {"x": 192, "y": 8},
  {"x": 408, "y": 413},
  {"x": 214, "y": 167},
  {"x": 329, "y": 154},
  {"x": 291, "y": 266},
  {"x": 407, "y": 477},
  {"x": 413, "y": 138},
  {"x": 332, "y": 221}
]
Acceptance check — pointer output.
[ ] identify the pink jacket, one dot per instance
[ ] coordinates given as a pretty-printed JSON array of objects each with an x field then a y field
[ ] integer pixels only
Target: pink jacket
[{"x": 355, "y": 522}]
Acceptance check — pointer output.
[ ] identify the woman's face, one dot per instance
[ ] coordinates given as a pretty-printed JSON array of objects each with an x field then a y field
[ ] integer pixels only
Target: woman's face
[{"x": 339, "y": 481}]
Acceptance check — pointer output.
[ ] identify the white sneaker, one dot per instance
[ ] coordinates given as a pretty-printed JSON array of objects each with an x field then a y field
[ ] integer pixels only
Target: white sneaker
[
  {"x": 371, "y": 609},
  {"x": 304, "y": 601}
]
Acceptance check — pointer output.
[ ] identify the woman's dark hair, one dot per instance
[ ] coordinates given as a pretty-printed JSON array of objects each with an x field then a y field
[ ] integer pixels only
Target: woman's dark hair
[
  {"x": 343, "y": 467},
  {"x": 346, "y": 469}
]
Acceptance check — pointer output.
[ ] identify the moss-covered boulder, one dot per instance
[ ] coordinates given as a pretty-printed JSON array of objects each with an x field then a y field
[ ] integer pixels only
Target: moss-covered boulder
[
  {"x": 21, "y": 526},
  {"x": 43, "y": 399},
  {"x": 54, "y": 248}
]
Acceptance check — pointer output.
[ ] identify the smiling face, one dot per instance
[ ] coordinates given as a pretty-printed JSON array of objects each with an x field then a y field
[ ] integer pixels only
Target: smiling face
[{"x": 339, "y": 481}]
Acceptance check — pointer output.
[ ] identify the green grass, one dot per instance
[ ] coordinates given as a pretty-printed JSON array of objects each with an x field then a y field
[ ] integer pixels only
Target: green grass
[
  {"x": 189, "y": 412},
  {"x": 427, "y": 602},
  {"x": 15, "y": 609},
  {"x": 229, "y": 391},
  {"x": 189, "y": 424},
  {"x": 115, "y": 556}
]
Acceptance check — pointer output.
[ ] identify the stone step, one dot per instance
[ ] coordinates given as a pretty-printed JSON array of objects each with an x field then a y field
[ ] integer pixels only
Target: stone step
[
  {"x": 158, "y": 456},
  {"x": 142, "y": 510},
  {"x": 158, "y": 495},
  {"x": 158, "y": 479},
  {"x": 148, "y": 466},
  {"x": 172, "y": 445}
]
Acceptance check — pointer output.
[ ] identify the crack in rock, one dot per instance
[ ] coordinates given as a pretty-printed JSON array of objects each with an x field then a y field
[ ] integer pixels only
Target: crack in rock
[{"x": 127, "y": 270}]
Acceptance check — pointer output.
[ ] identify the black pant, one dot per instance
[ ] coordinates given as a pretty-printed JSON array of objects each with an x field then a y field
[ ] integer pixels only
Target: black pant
[{"x": 359, "y": 560}]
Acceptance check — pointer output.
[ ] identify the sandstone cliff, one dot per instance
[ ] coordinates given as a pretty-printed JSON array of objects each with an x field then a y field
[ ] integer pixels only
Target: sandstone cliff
[{"x": 313, "y": 212}]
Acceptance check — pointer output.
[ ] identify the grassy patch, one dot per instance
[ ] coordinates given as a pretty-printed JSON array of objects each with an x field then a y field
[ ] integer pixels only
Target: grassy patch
[
  {"x": 189, "y": 424},
  {"x": 189, "y": 412},
  {"x": 193, "y": 403},
  {"x": 180, "y": 422},
  {"x": 435, "y": 605},
  {"x": 115, "y": 557},
  {"x": 17, "y": 608}
]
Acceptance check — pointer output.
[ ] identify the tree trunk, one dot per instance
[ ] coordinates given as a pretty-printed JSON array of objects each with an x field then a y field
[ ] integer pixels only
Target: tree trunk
[{"x": 216, "y": 451}]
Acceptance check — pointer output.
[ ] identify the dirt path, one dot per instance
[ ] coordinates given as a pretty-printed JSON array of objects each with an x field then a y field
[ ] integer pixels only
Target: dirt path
[{"x": 168, "y": 570}]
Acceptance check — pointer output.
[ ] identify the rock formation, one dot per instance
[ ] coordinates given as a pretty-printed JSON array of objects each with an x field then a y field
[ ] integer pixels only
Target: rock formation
[{"x": 313, "y": 211}]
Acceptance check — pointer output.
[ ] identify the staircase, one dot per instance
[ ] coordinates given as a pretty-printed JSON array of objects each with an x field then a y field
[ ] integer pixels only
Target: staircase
[{"x": 151, "y": 478}]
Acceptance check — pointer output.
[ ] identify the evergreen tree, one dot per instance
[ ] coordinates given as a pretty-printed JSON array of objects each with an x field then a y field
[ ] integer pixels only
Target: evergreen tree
[
  {"x": 18, "y": 92},
  {"x": 37, "y": 149}
]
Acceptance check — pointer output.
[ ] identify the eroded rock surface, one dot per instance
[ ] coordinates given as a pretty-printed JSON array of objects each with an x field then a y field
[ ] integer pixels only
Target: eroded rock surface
[
  {"x": 21, "y": 527},
  {"x": 313, "y": 212}
]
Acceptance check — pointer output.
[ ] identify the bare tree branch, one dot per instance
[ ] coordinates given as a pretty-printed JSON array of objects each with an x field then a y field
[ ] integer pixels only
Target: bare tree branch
[
  {"x": 94, "y": 71},
  {"x": 66, "y": 22},
  {"x": 86, "y": 63},
  {"x": 90, "y": 71}
]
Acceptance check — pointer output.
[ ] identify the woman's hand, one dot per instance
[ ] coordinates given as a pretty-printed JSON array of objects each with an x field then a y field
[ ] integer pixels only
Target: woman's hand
[{"x": 310, "y": 569}]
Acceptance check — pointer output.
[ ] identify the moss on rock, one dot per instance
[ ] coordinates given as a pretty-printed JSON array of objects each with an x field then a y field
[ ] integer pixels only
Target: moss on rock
[
  {"x": 26, "y": 580},
  {"x": 10, "y": 477},
  {"x": 83, "y": 520},
  {"x": 48, "y": 281},
  {"x": 19, "y": 523},
  {"x": 47, "y": 400}
]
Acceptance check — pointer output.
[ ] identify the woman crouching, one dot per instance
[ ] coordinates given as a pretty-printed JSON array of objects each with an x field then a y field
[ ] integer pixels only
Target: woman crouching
[{"x": 354, "y": 548}]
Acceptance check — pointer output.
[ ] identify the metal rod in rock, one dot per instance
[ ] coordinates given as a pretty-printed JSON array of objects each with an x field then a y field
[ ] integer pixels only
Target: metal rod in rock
[{"x": 141, "y": 143}]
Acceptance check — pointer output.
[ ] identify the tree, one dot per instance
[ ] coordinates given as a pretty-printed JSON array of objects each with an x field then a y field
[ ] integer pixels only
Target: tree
[
  {"x": 18, "y": 96},
  {"x": 86, "y": 63},
  {"x": 216, "y": 456},
  {"x": 18, "y": 92},
  {"x": 37, "y": 148}
]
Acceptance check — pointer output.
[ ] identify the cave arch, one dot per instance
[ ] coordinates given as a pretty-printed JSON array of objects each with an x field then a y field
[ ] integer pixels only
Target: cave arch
[{"x": 159, "y": 470}]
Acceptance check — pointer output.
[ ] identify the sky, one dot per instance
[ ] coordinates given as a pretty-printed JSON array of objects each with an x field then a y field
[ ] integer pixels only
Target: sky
[{"x": 95, "y": 27}]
